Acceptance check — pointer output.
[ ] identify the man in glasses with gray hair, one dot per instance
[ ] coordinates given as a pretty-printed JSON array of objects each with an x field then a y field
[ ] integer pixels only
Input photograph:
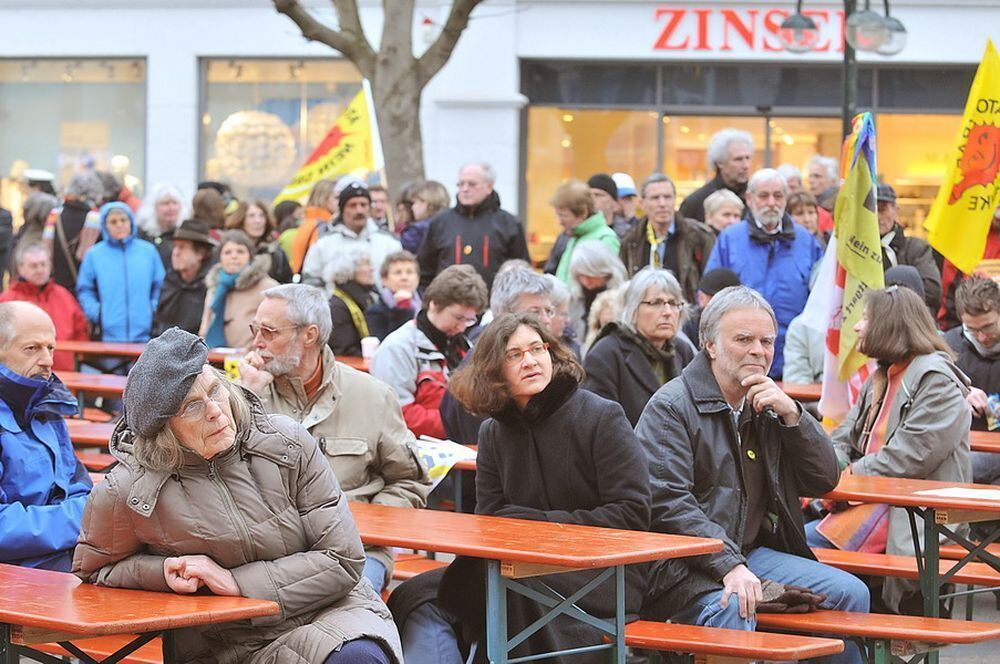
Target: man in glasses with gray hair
[{"x": 355, "y": 418}]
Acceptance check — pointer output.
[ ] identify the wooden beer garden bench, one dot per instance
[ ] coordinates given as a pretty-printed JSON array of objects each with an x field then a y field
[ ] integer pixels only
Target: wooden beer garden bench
[{"x": 96, "y": 462}]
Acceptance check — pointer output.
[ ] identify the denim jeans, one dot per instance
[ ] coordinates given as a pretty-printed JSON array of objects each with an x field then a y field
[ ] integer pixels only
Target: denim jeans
[
  {"x": 428, "y": 638},
  {"x": 359, "y": 651},
  {"x": 375, "y": 572},
  {"x": 844, "y": 592}
]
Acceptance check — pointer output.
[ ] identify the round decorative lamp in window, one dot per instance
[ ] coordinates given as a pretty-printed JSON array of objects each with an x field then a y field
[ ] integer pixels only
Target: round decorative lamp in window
[{"x": 255, "y": 149}]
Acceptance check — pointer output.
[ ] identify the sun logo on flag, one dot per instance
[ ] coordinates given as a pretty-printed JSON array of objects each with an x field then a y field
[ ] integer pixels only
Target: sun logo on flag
[{"x": 980, "y": 160}]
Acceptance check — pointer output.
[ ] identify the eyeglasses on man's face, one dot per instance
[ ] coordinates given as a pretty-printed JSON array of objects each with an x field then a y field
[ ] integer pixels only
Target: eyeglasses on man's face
[{"x": 268, "y": 333}]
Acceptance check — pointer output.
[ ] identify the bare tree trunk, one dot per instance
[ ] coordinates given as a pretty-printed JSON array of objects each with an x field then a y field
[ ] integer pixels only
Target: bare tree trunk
[{"x": 397, "y": 77}]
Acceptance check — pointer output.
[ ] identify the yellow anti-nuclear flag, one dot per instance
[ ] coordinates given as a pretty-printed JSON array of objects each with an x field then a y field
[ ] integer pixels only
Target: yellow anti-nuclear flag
[
  {"x": 347, "y": 147},
  {"x": 960, "y": 217}
]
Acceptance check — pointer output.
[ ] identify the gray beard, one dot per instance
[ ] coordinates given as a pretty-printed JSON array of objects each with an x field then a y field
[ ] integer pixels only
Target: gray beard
[{"x": 282, "y": 364}]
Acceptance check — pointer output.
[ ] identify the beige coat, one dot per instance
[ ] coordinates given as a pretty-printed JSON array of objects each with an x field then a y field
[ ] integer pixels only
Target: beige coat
[
  {"x": 357, "y": 421},
  {"x": 241, "y": 302},
  {"x": 270, "y": 511},
  {"x": 927, "y": 439}
]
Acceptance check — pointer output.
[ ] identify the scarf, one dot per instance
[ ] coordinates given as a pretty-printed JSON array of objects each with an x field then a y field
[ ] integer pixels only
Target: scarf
[
  {"x": 654, "y": 246},
  {"x": 216, "y": 331},
  {"x": 991, "y": 353},
  {"x": 890, "y": 253},
  {"x": 661, "y": 359},
  {"x": 540, "y": 406},
  {"x": 453, "y": 348}
]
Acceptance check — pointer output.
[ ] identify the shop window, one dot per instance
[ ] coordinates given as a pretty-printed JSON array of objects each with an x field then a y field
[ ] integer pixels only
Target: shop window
[
  {"x": 915, "y": 168},
  {"x": 261, "y": 118},
  {"x": 925, "y": 89},
  {"x": 564, "y": 143},
  {"x": 63, "y": 115},
  {"x": 685, "y": 145}
]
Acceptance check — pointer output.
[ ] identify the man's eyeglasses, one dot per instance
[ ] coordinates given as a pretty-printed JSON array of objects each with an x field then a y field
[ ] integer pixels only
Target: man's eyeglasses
[
  {"x": 543, "y": 312},
  {"x": 515, "y": 355},
  {"x": 462, "y": 319},
  {"x": 990, "y": 329},
  {"x": 268, "y": 333},
  {"x": 662, "y": 304}
]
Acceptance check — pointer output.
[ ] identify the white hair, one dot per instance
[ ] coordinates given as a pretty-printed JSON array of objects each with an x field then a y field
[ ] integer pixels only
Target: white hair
[
  {"x": 726, "y": 300},
  {"x": 489, "y": 174},
  {"x": 766, "y": 175},
  {"x": 344, "y": 265},
  {"x": 593, "y": 258},
  {"x": 161, "y": 191},
  {"x": 718, "y": 147},
  {"x": 641, "y": 282},
  {"x": 789, "y": 172},
  {"x": 829, "y": 164},
  {"x": 510, "y": 285},
  {"x": 307, "y": 305}
]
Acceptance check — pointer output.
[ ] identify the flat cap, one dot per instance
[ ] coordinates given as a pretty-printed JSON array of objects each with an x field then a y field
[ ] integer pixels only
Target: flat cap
[
  {"x": 884, "y": 193},
  {"x": 161, "y": 378},
  {"x": 715, "y": 280}
]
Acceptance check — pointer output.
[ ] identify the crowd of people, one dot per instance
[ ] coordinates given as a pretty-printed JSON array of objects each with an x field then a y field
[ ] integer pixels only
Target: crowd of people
[{"x": 629, "y": 383}]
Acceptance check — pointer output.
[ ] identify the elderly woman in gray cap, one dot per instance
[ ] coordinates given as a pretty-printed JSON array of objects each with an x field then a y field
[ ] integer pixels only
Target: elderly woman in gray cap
[{"x": 211, "y": 492}]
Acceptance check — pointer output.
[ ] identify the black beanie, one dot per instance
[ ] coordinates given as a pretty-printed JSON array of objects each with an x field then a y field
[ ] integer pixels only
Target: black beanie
[{"x": 604, "y": 182}]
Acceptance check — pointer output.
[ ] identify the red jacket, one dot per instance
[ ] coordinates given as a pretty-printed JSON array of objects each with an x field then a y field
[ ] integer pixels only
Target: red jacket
[{"x": 62, "y": 308}]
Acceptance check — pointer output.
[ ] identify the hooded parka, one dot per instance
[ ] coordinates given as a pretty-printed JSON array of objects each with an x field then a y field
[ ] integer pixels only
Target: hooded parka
[
  {"x": 271, "y": 512},
  {"x": 119, "y": 283}
]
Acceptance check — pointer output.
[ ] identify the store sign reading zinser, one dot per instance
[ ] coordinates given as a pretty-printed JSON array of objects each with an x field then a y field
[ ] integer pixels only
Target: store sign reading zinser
[{"x": 717, "y": 29}]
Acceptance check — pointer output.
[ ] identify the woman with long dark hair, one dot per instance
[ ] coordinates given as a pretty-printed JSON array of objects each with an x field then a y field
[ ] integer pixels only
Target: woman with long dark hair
[{"x": 549, "y": 452}]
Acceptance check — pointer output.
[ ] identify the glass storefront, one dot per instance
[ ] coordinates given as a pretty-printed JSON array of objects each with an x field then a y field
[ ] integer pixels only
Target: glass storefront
[
  {"x": 261, "y": 118},
  {"x": 586, "y": 118},
  {"x": 64, "y": 115}
]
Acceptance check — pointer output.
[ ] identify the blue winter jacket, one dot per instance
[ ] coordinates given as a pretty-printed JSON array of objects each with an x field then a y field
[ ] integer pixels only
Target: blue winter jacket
[
  {"x": 777, "y": 266},
  {"x": 43, "y": 487},
  {"x": 119, "y": 283}
]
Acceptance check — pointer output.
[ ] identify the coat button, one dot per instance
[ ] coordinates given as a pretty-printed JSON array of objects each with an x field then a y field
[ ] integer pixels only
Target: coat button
[
  {"x": 145, "y": 508},
  {"x": 135, "y": 501}
]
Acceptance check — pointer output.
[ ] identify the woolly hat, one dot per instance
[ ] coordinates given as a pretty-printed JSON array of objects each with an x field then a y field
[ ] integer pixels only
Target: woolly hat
[{"x": 161, "y": 378}]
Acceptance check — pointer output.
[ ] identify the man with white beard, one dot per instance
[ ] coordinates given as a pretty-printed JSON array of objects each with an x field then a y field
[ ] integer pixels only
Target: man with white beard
[
  {"x": 355, "y": 418},
  {"x": 770, "y": 253}
]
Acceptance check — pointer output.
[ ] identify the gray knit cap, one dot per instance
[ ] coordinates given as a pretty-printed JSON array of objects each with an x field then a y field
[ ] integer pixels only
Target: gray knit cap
[{"x": 161, "y": 378}]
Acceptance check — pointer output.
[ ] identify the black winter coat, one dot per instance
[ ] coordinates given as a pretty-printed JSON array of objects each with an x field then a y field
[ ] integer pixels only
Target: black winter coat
[
  {"x": 383, "y": 319},
  {"x": 345, "y": 339},
  {"x": 917, "y": 253},
  {"x": 6, "y": 243},
  {"x": 618, "y": 370},
  {"x": 72, "y": 219},
  {"x": 693, "y": 206},
  {"x": 984, "y": 373},
  {"x": 569, "y": 457},
  {"x": 697, "y": 482},
  {"x": 281, "y": 270},
  {"x": 181, "y": 303},
  {"x": 483, "y": 236}
]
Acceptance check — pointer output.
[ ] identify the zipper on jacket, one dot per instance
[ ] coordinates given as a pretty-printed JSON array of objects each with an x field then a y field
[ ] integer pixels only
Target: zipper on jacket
[
  {"x": 739, "y": 473},
  {"x": 249, "y": 551},
  {"x": 128, "y": 308}
]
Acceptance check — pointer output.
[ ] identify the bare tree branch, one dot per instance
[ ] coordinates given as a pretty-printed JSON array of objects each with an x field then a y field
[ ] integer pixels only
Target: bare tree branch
[
  {"x": 435, "y": 57},
  {"x": 349, "y": 40}
]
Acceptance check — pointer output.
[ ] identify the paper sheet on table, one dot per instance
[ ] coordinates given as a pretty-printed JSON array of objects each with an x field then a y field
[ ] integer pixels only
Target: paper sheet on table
[
  {"x": 961, "y": 492},
  {"x": 439, "y": 456}
]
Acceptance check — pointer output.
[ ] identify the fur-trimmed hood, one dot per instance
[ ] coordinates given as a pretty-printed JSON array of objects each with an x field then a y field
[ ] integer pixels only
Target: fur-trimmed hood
[{"x": 253, "y": 273}]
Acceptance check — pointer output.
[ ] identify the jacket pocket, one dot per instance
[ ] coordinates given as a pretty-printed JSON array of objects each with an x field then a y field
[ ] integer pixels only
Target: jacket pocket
[{"x": 350, "y": 459}]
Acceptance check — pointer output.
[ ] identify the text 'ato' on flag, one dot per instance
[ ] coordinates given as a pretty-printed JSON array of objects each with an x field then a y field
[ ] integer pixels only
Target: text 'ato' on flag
[{"x": 959, "y": 220}]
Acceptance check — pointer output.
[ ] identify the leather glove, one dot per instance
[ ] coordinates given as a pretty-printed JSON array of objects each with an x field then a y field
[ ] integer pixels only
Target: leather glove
[{"x": 781, "y": 598}]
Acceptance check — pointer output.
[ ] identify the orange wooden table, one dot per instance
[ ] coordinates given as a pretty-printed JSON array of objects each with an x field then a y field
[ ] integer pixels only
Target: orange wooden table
[
  {"x": 39, "y": 606},
  {"x": 517, "y": 548},
  {"x": 939, "y": 505},
  {"x": 984, "y": 441},
  {"x": 802, "y": 391},
  {"x": 85, "y": 433},
  {"x": 132, "y": 351}
]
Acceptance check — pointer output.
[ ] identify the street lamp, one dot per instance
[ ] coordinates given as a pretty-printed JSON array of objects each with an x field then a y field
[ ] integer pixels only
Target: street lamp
[{"x": 863, "y": 30}]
